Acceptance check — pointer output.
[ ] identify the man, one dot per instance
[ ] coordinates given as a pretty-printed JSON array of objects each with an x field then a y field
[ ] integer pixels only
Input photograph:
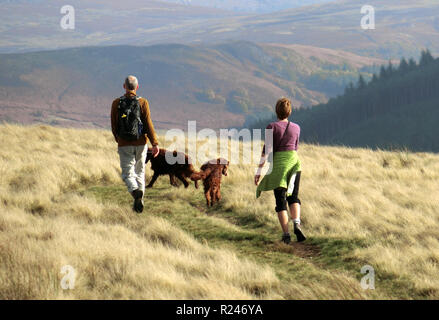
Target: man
[{"x": 132, "y": 127}]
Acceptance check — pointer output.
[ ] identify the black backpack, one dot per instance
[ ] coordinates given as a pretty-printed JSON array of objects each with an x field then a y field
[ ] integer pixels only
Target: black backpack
[{"x": 130, "y": 126}]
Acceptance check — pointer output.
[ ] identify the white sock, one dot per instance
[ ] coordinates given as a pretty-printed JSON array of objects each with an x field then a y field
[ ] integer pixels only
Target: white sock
[{"x": 296, "y": 221}]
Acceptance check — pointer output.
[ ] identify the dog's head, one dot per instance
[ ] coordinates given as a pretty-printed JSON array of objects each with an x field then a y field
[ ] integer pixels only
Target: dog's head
[{"x": 225, "y": 165}]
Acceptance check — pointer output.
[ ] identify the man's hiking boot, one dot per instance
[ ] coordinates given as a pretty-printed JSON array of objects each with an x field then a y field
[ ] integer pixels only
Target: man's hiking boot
[
  {"x": 138, "y": 200},
  {"x": 298, "y": 232},
  {"x": 286, "y": 238}
]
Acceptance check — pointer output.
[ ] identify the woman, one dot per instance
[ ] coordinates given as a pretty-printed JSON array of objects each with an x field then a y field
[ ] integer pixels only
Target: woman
[{"x": 284, "y": 177}]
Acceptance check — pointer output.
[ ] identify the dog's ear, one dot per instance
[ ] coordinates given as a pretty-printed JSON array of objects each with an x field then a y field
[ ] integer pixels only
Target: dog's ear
[
  {"x": 222, "y": 161},
  {"x": 224, "y": 171}
]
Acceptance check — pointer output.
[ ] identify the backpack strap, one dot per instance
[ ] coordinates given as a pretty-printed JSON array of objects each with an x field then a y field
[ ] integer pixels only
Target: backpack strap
[
  {"x": 122, "y": 98},
  {"x": 284, "y": 134}
]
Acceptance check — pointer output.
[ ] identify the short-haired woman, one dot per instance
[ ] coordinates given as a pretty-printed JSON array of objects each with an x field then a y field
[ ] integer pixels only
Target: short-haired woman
[{"x": 284, "y": 176}]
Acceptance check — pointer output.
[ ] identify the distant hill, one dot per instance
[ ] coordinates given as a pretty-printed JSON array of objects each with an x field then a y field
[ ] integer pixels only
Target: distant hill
[
  {"x": 35, "y": 25},
  {"x": 398, "y": 108},
  {"x": 403, "y": 28},
  {"x": 219, "y": 85},
  {"x": 259, "y": 6}
]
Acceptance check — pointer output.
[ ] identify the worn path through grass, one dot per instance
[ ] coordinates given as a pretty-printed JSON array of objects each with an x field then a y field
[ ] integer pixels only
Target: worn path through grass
[{"x": 322, "y": 267}]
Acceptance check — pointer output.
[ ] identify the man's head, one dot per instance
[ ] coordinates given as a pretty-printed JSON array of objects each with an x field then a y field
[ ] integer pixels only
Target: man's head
[{"x": 131, "y": 83}]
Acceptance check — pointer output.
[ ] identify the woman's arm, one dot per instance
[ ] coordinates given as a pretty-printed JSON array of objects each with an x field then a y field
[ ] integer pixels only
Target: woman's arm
[
  {"x": 265, "y": 150},
  {"x": 260, "y": 166}
]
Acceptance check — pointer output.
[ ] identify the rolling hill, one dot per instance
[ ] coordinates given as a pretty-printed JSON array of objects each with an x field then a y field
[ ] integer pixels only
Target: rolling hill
[
  {"x": 35, "y": 25},
  {"x": 219, "y": 85},
  {"x": 403, "y": 28},
  {"x": 397, "y": 108},
  {"x": 66, "y": 205},
  {"x": 258, "y": 6}
]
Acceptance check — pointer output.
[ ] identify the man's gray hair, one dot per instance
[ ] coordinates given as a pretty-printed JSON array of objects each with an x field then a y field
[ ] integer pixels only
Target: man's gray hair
[{"x": 131, "y": 83}]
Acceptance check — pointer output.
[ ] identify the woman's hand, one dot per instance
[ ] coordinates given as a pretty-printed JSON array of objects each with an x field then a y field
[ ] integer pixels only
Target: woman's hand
[
  {"x": 261, "y": 165},
  {"x": 257, "y": 177}
]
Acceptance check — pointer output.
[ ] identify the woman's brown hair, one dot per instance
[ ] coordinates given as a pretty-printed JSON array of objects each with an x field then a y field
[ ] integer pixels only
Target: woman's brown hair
[{"x": 283, "y": 108}]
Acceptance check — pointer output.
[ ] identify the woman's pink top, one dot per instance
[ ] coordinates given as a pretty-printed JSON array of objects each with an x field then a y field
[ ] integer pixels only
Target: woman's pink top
[{"x": 291, "y": 139}]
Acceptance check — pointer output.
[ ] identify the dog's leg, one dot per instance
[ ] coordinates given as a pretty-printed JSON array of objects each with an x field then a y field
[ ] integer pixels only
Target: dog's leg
[
  {"x": 172, "y": 180},
  {"x": 182, "y": 179},
  {"x": 208, "y": 198},
  {"x": 217, "y": 194},
  {"x": 154, "y": 178},
  {"x": 213, "y": 200}
]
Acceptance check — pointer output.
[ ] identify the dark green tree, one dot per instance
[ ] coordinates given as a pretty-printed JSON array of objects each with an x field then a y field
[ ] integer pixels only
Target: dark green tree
[
  {"x": 361, "y": 82},
  {"x": 426, "y": 58}
]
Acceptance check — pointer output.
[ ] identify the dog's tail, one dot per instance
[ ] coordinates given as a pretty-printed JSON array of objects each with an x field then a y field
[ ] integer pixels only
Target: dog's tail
[{"x": 195, "y": 176}]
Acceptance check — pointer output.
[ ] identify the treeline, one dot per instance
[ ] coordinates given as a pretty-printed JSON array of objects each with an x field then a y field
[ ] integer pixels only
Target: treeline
[{"x": 398, "y": 107}]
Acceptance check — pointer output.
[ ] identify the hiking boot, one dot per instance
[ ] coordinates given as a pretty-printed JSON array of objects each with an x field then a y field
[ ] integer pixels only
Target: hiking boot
[
  {"x": 138, "y": 200},
  {"x": 286, "y": 238},
  {"x": 298, "y": 232}
]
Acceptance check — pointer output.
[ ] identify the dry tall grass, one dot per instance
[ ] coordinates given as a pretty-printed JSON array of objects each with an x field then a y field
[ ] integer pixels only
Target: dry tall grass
[
  {"x": 386, "y": 199},
  {"x": 45, "y": 225}
]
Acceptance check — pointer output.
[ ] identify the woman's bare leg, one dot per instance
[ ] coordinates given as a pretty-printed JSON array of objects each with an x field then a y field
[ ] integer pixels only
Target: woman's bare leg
[
  {"x": 295, "y": 216},
  {"x": 283, "y": 219},
  {"x": 295, "y": 212}
]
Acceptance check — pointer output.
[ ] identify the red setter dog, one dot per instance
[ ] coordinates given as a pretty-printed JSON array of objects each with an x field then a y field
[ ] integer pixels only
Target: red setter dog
[
  {"x": 161, "y": 167},
  {"x": 211, "y": 173}
]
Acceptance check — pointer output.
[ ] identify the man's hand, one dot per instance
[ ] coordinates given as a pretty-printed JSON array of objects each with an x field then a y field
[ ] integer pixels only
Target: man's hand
[
  {"x": 257, "y": 177},
  {"x": 155, "y": 151}
]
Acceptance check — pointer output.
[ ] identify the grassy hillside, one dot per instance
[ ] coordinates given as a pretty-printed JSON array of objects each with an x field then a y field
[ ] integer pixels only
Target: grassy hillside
[
  {"x": 219, "y": 86},
  {"x": 62, "y": 202}
]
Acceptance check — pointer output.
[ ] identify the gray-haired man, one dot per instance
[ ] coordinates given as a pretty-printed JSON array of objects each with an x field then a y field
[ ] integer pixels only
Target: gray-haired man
[{"x": 132, "y": 126}]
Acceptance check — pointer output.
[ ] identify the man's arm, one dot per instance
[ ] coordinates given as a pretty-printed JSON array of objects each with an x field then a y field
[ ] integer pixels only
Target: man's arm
[
  {"x": 114, "y": 112},
  {"x": 149, "y": 129}
]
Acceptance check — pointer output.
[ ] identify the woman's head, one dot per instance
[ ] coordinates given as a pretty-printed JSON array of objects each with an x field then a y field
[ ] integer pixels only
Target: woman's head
[{"x": 283, "y": 108}]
